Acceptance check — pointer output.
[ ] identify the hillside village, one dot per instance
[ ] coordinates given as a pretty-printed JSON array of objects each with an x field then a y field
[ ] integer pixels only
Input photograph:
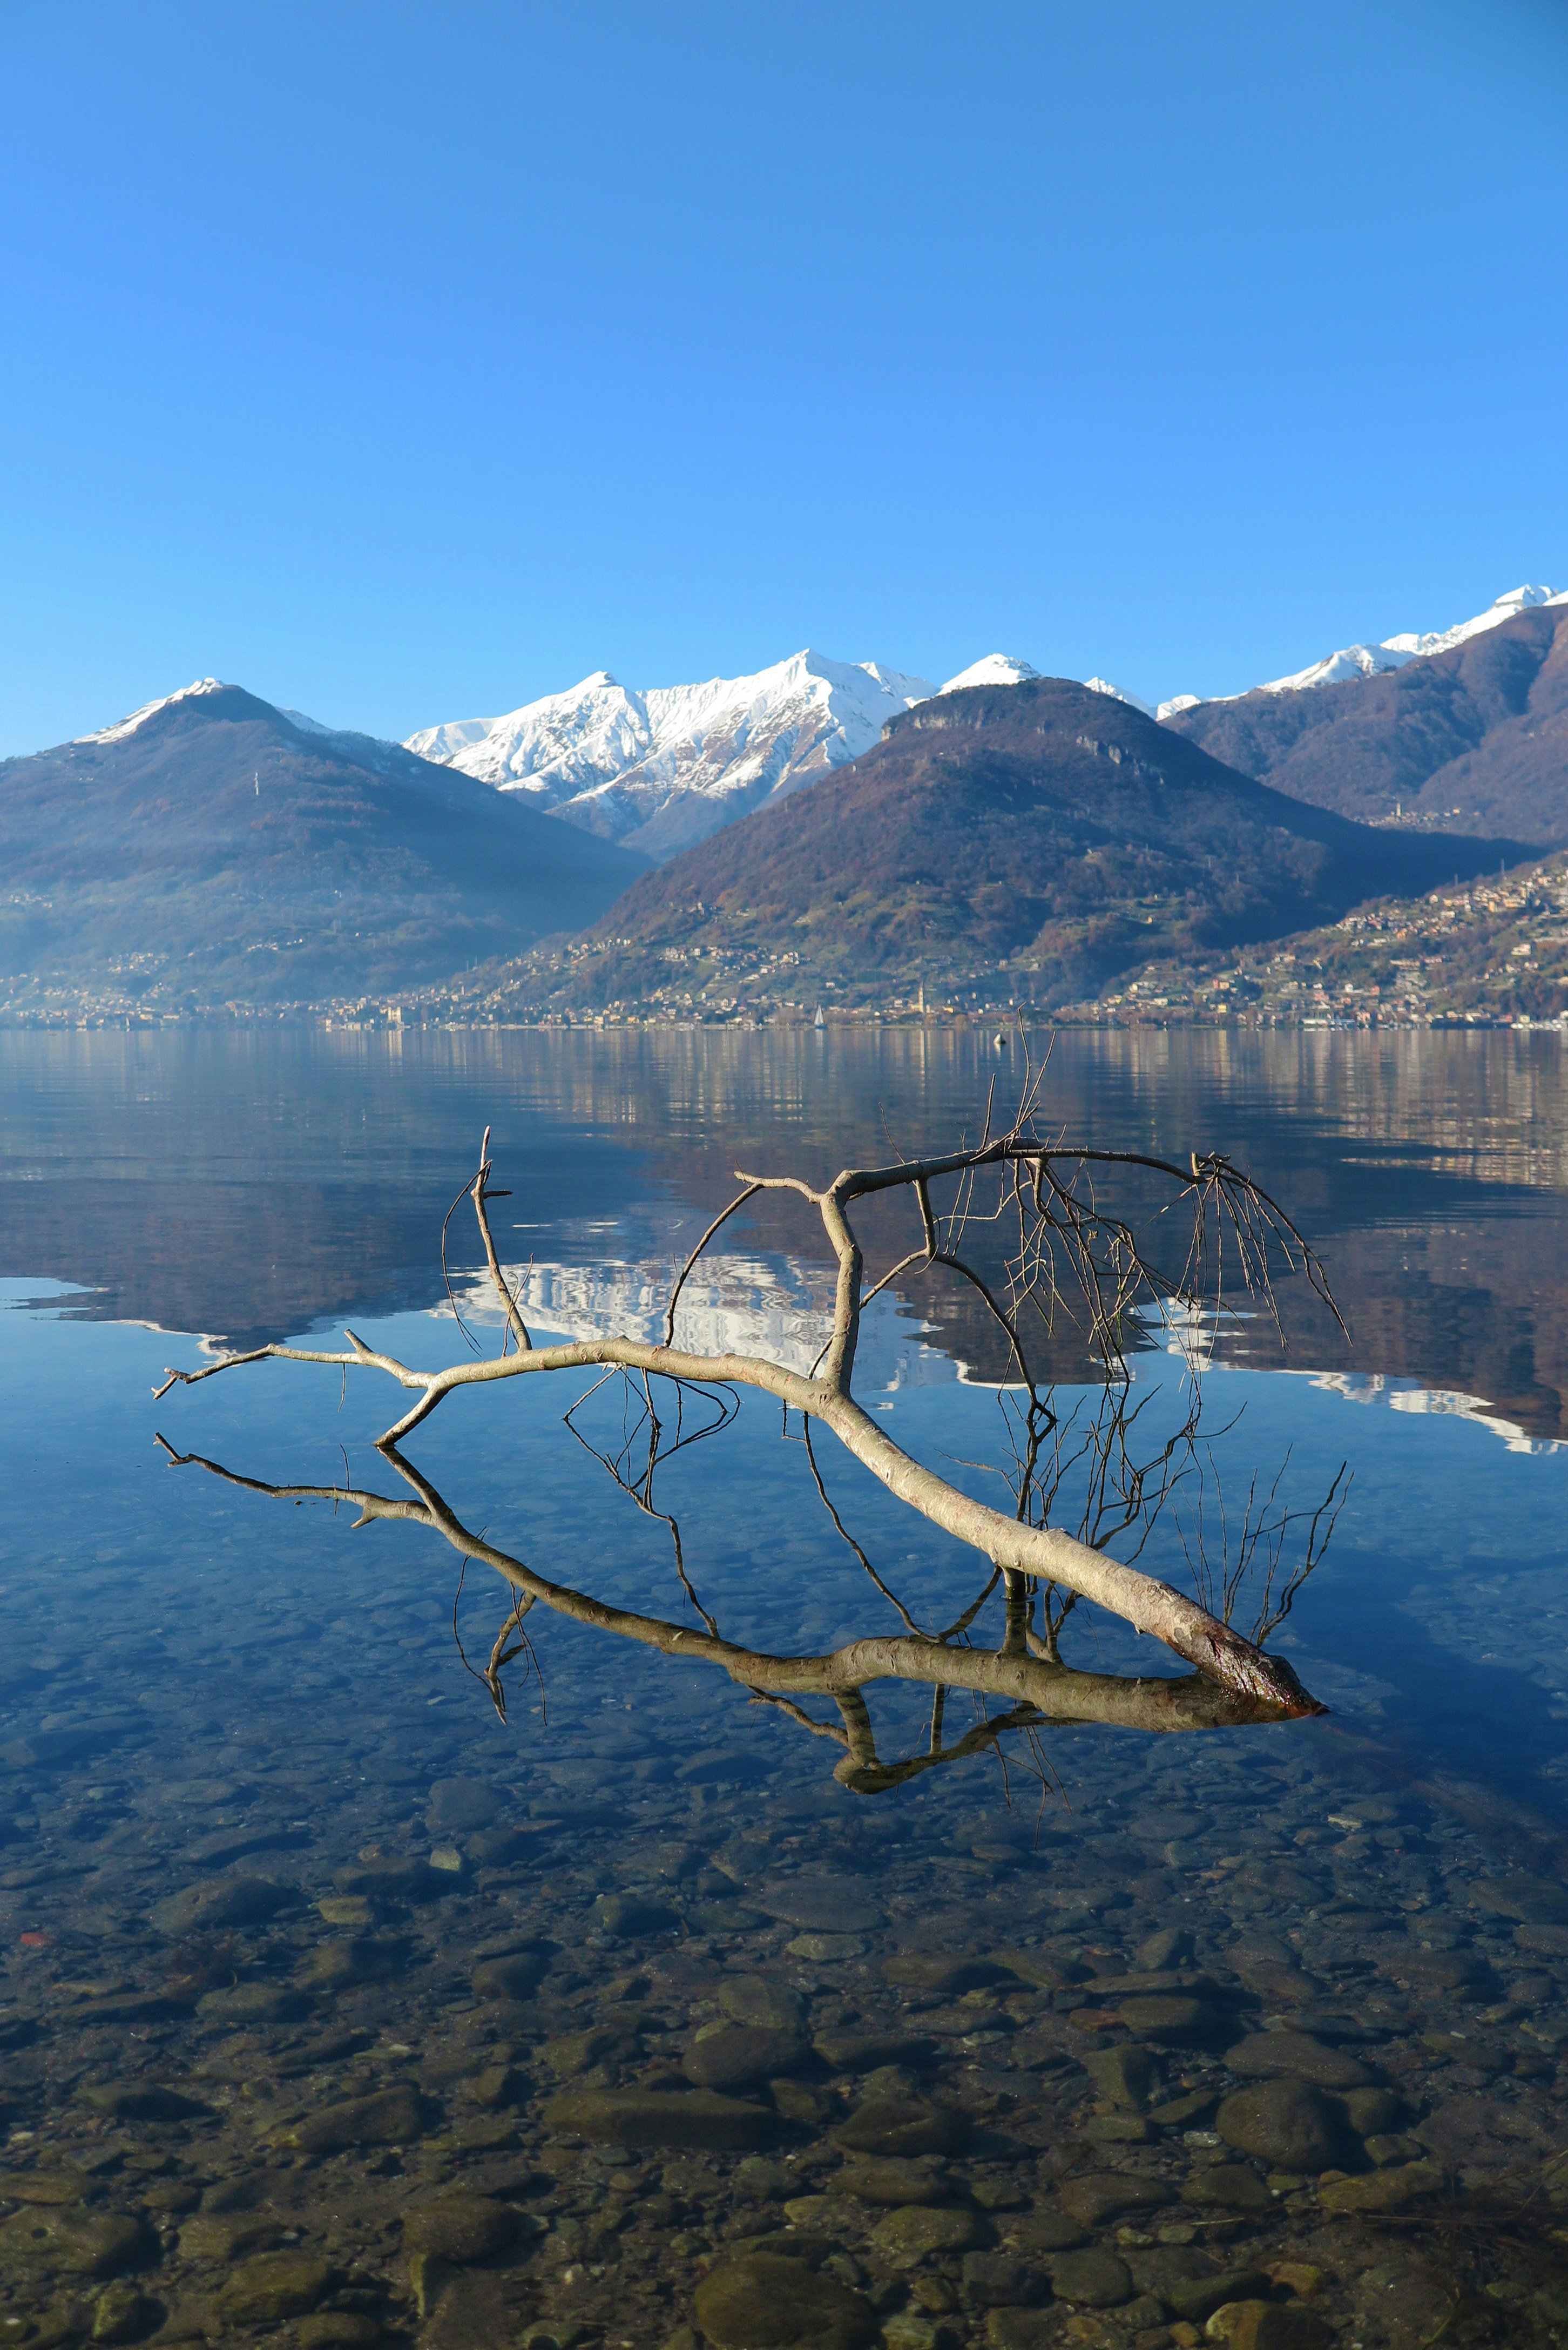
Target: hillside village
[
  {"x": 1492, "y": 956},
  {"x": 1495, "y": 955}
]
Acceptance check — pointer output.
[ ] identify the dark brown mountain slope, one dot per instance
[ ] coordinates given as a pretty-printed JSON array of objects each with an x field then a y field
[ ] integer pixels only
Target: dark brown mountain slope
[
  {"x": 1037, "y": 827},
  {"x": 1474, "y": 739},
  {"x": 215, "y": 849}
]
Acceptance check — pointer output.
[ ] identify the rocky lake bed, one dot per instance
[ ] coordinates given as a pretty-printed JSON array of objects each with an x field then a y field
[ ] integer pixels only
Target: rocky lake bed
[{"x": 1248, "y": 2046}]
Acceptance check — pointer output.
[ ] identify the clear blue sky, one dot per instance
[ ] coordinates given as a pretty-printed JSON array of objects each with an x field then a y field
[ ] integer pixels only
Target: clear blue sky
[{"x": 405, "y": 362}]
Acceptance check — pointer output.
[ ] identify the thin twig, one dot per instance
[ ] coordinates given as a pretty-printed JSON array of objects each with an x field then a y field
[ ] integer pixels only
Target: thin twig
[{"x": 722, "y": 1218}]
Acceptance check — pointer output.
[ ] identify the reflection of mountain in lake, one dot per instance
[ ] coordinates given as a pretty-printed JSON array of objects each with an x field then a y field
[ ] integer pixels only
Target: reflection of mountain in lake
[
  {"x": 1404, "y": 1395},
  {"x": 1474, "y": 1302},
  {"x": 1205, "y": 1344},
  {"x": 260, "y": 1184},
  {"x": 778, "y": 1307},
  {"x": 781, "y": 1308}
]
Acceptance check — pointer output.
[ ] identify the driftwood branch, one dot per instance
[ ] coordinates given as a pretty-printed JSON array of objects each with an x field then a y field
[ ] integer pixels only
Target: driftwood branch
[{"x": 1069, "y": 1248}]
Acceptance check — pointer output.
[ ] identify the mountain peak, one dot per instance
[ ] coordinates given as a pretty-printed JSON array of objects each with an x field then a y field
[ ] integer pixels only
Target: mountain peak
[
  {"x": 1503, "y": 608},
  {"x": 1393, "y": 652},
  {"x": 1466, "y": 734},
  {"x": 992, "y": 669},
  {"x": 138, "y": 718},
  {"x": 1014, "y": 837},
  {"x": 210, "y": 848}
]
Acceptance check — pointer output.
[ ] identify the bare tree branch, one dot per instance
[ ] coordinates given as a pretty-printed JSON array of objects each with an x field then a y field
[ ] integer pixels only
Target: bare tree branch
[
  {"x": 1116, "y": 1281},
  {"x": 479, "y": 1193}
]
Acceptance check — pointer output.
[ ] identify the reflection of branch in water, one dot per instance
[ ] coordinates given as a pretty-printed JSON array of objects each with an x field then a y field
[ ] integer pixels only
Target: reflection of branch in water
[
  {"x": 867, "y": 1776},
  {"x": 639, "y": 1488},
  {"x": 1075, "y": 1258},
  {"x": 500, "y": 1654},
  {"x": 891, "y": 1597},
  {"x": 1257, "y": 1546},
  {"x": 863, "y": 1771},
  {"x": 1037, "y": 1691}
]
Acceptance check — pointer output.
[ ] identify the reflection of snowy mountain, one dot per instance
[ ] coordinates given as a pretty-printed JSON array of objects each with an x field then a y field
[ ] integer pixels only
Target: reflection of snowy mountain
[
  {"x": 1197, "y": 1338},
  {"x": 778, "y": 1307},
  {"x": 741, "y": 1305},
  {"x": 1407, "y": 1395}
]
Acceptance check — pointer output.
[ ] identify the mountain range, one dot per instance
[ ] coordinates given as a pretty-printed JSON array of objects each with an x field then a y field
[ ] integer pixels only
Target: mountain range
[
  {"x": 1039, "y": 835},
  {"x": 1472, "y": 738},
  {"x": 211, "y": 846},
  {"x": 660, "y": 770},
  {"x": 1353, "y": 661}
]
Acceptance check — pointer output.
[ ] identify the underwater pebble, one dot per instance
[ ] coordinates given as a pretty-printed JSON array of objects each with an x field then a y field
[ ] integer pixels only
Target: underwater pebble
[
  {"x": 762, "y": 2302},
  {"x": 277, "y": 2285}
]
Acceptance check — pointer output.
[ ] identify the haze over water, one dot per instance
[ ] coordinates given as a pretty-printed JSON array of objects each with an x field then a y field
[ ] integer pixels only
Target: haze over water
[{"x": 335, "y": 2004}]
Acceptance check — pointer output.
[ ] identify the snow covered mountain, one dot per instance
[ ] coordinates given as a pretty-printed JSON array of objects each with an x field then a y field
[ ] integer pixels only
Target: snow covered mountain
[
  {"x": 124, "y": 728},
  {"x": 1373, "y": 660},
  {"x": 659, "y": 770}
]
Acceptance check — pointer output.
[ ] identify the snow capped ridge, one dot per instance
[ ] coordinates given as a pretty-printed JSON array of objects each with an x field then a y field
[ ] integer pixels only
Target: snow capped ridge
[
  {"x": 1505, "y": 607},
  {"x": 1337, "y": 668},
  {"x": 1395, "y": 652},
  {"x": 662, "y": 769},
  {"x": 1351, "y": 662},
  {"x": 1117, "y": 693},
  {"x": 565, "y": 743},
  {"x": 123, "y": 727}
]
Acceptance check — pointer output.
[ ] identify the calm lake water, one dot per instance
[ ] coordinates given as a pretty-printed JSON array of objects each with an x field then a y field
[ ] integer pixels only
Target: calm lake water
[{"x": 343, "y": 2004}]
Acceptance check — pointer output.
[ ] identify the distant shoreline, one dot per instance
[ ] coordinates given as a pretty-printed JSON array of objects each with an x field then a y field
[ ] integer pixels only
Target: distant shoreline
[{"x": 1004, "y": 1019}]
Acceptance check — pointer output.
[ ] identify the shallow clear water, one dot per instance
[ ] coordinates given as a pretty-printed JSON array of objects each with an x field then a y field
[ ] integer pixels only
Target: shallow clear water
[{"x": 339, "y": 2007}]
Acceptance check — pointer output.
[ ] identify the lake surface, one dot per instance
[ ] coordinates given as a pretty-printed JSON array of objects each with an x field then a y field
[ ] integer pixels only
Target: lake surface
[{"x": 344, "y": 2003}]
